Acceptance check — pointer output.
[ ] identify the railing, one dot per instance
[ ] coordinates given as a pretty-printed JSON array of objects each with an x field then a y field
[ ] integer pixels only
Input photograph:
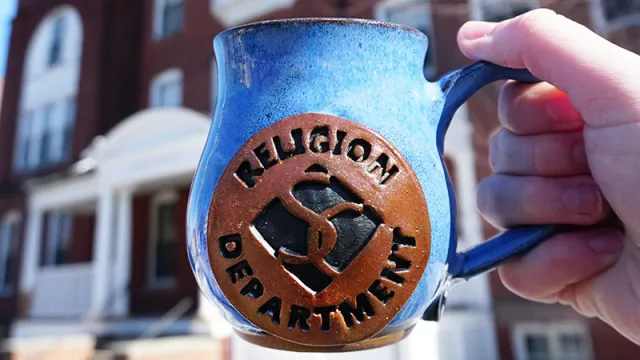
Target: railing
[{"x": 62, "y": 291}]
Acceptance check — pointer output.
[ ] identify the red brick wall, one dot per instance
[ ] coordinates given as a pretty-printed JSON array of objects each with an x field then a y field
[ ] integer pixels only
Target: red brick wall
[
  {"x": 82, "y": 238},
  {"x": 191, "y": 51}
]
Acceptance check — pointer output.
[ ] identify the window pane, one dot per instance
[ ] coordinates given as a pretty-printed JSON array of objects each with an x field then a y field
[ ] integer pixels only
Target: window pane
[
  {"x": 172, "y": 17},
  {"x": 619, "y": 8},
  {"x": 55, "y": 49},
  {"x": 502, "y": 10},
  {"x": 22, "y": 140},
  {"x": 170, "y": 94},
  {"x": 573, "y": 346},
  {"x": 165, "y": 260},
  {"x": 67, "y": 136},
  {"x": 537, "y": 347},
  {"x": 166, "y": 223},
  {"x": 58, "y": 238},
  {"x": 47, "y": 145},
  {"x": 6, "y": 239},
  {"x": 166, "y": 241}
]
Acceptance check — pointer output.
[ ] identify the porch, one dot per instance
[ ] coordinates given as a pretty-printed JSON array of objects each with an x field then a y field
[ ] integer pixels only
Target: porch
[{"x": 103, "y": 241}]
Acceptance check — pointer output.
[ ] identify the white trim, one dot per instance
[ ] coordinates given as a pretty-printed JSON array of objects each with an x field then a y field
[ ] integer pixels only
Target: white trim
[
  {"x": 63, "y": 193},
  {"x": 551, "y": 331},
  {"x": 27, "y": 329},
  {"x": 168, "y": 78},
  {"x": 233, "y": 12},
  {"x": 159, "y": 32},
  {"x": 476, "y": 8},
  {"x": 31, "y": 252},
  {"x": 164, "y": 197},
  {"x": 422, "y": 15},
  {"x": 102, "y": 253},
  {"x": 122, "y": 270}
]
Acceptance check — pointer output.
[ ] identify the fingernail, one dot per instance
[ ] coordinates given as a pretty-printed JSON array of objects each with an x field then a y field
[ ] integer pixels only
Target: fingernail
[
  {"x": 606, "y": 243},
  {"x": 474, "y": 30},
  {"x": 583, "y": 199}
]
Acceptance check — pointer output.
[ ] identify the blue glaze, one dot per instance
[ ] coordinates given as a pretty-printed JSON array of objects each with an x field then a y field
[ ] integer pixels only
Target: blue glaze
[{"x": 361, "y": 70}]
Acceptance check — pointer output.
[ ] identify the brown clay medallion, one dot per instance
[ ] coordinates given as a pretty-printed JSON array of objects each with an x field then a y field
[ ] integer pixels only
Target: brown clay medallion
[{"x": 318, "y": 231}]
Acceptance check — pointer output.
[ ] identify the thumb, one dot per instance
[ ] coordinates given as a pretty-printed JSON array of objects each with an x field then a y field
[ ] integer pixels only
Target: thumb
[{"x": 599, "y": 77}]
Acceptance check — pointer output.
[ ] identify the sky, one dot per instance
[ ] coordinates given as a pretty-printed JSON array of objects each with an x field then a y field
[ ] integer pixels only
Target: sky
[{"x": 7, "y": 12}]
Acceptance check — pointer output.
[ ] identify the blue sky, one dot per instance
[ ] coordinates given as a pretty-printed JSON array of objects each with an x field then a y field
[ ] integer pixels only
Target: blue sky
[{"x": 7, "y": 12}]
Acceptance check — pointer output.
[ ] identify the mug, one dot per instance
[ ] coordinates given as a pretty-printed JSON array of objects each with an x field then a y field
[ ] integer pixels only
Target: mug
[{"x": 321, "y": 217}]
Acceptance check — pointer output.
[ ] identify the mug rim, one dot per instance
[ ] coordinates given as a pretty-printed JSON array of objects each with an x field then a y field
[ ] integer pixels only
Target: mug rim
[{"x": 321, "y": 20}]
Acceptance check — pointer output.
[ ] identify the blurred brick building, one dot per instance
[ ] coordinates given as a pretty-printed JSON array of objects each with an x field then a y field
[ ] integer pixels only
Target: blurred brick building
[{"x": 105, "y": 111}]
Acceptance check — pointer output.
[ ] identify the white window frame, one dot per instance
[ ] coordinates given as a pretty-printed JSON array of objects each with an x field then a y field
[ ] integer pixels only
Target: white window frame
[
  {"x": 234, "y": 12},
  {"x": 168, "y": 77},
  {"x": 552, "y": 331},
  {"x": 56, "y": 236},
  {"x": 159, "y": 30},
  {"x": 7, "y": 247},
  {"x": 476, "y": 8},
  {"x": 603, "y": 26},
  {"x": 161, "y": 198},
  {"x": 382, "y": 11}
]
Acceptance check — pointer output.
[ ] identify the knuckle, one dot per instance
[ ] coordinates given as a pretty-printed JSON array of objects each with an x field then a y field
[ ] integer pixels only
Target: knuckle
[
  {"x": 511, "y": 277},
  {"x": 495, "y": 156},
  {"x": 492, "y": 201},
  {"x": 532, "y": 21}
]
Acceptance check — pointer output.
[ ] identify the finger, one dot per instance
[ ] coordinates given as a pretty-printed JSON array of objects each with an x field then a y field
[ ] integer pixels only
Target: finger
[
  {"x": 565, "y": 54},
  {"x": 559, "y": 154},
  {"x": 507, "y": 201},
  {"x": 536, "y": 109},
  {"x": 545, "y": 273}
]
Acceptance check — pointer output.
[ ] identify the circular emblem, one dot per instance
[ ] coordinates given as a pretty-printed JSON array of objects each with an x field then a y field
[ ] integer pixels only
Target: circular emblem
[{"x": 318, "y": 231}]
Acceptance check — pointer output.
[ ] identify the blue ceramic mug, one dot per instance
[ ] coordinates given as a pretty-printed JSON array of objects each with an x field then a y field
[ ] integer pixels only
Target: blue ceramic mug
[{"x": 321, "y": 216}]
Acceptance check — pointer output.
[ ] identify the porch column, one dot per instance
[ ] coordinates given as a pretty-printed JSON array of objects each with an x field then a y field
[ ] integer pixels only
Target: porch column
[
  {"x": 31, "y": 255},
  {"x": 102, "y": 254},
  {"x": 122, "y": 268}
]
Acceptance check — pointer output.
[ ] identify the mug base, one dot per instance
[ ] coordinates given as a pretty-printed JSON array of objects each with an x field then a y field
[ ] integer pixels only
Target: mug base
[{"x": 274, "y": 342}]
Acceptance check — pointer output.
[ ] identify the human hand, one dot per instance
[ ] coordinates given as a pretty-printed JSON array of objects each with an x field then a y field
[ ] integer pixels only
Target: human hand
[{"x": 567, "y": 153}]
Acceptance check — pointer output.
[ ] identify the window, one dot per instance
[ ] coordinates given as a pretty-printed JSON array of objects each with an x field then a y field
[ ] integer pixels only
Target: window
[
  {"x": 23, "y": 141},
  {"x": 45, "y": 135},
  {"x": 58, "y": 238},
  {"x": 416, "y": 14},
  {"x": 46, "y": 155},
  {"x": 166, "y": 89},
  {"x": 499, "y": 10},
  {"x": 9, "y": 232},
  {"x": 57, "y": 36},
  {"x": 169, "y": 17},
  {"x": 66, "y": 133},
  {"x": 551, "y": 342},
  {"x": 164, "y": 239},
  {"x": 616, "y": 9},
  {"x": 49, "y": 88}
]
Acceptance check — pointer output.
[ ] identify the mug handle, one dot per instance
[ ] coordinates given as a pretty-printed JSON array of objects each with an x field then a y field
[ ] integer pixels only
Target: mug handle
[{"x": 458, "y": 86}]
